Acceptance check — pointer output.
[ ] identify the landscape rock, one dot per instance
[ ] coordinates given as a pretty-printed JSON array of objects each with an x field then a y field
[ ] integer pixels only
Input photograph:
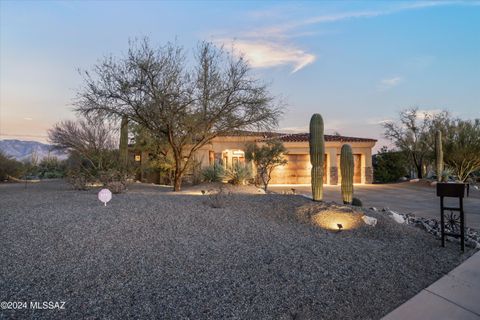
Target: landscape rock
[
  {"x": 371, "y": 221},
  {"x": 397, "y": 217},
  {"x": 432, "y": 226}
]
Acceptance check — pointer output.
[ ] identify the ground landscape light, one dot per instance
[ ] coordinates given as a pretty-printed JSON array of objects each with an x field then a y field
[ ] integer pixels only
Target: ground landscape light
[{"x": 337, "y": 220}]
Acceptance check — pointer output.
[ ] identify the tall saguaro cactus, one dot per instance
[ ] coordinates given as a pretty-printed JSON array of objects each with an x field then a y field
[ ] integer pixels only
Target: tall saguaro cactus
[
  {"x": 439, "y": 155},
  {"x": 317, "y": 153},
  {"x": 346, "y": 167},
  {"x": 124, "y": 143}
]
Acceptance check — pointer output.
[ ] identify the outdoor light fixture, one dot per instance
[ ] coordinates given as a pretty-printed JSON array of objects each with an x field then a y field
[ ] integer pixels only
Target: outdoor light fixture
[{"x": 340, "y": 226}]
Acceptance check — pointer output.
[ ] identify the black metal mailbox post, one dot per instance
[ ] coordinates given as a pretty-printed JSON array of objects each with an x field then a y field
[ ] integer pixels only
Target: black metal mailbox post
[{"x": 452, "y": 190}]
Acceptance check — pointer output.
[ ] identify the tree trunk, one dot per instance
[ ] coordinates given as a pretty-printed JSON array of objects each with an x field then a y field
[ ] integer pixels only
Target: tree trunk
[
  {"x": 177, "y": 184},
  {"x": 177, "y": 178},
  {"x": 124, "y": 143},
  {"x": 419, "y": 171}
]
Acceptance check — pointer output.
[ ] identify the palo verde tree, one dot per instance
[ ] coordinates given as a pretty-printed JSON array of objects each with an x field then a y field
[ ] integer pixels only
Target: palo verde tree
[
  {"x": 266, "y": 158},
  {"x": 187, "y": 102}
]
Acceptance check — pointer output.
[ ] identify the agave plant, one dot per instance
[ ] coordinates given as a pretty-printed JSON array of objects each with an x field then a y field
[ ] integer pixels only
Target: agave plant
[{"x": 238, "y": 174}]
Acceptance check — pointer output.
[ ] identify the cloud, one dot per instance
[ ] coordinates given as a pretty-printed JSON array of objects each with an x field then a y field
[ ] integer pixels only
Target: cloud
[
  {"x": 280, "y": 30},
  {"x": 422, "y": 114},
  {"x": 264, "y": 54},
  {"x": 392, "y": 82},
  {"x": 389, "y": 83},
  {"x": 268, "y": 46}
]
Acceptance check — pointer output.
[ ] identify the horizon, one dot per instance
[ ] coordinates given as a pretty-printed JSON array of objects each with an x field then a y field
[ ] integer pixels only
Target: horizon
[{"x": 356, "y": 63}]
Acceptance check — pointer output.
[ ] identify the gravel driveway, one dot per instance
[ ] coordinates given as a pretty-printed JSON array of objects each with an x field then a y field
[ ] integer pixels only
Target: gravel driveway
[{"x": 154, "y": 254}]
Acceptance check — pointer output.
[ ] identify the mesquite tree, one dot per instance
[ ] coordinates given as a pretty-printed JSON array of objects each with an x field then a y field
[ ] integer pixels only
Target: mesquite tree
[{"x": 186, "y": 102}]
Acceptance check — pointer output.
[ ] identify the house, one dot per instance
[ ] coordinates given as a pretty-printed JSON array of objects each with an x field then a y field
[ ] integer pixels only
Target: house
[{"x": 229, "y": 150}]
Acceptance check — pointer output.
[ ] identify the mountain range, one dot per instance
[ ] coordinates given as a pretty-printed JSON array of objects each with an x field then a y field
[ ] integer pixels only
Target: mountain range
[{"x": 24, "y": 150}]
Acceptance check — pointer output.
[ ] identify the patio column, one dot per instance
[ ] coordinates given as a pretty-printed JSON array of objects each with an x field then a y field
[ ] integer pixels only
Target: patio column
[
  {"x": 333, "y": 168},
  {"x": 367, "y": 167}
]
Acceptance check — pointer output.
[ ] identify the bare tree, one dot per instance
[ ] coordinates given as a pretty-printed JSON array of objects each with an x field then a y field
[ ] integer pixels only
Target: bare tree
[
  {"x": 87, "y": 138},
  {"x": 188, "y": 104},
  {"x": 413, "y": 134}
]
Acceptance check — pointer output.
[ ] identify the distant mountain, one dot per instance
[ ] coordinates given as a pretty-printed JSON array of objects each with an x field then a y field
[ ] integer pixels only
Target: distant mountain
[{"x": 23, "y": 150}]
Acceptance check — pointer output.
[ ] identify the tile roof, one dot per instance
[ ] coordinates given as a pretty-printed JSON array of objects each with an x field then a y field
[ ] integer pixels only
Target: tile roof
[
  {"x": 300, "y": 137},
  {"x": 240, "y": 133},
  {"x": 294, "y": 137}
]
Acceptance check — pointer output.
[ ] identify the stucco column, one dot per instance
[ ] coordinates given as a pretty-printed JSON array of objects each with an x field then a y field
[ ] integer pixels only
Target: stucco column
[
  {"x": 367, "y": 167},
  {"x": 332, "y": 154}
]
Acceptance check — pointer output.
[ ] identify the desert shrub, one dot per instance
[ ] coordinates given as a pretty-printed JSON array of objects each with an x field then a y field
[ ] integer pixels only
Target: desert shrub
[
  {"x": 114, "y": 179},
  {"x": 9, "y": 167},
  {"x": 266, "y": 158},
  {"x": 357, "y": 202},
  {"x": 217, "y": 198},
  {"x": 78, "y": 179},
  {"x": 214, "y": 173},
  {"x": 238, "y": 174},
  {"x": 51, "y": 168}
]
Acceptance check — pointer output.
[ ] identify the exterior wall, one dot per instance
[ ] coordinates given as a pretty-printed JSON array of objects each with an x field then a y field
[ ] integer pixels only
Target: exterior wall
[{"x": 220, "y": 145}]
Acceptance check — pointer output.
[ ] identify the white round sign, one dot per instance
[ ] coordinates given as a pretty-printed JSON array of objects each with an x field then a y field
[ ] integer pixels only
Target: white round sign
[{"x": 105, "y": 195}]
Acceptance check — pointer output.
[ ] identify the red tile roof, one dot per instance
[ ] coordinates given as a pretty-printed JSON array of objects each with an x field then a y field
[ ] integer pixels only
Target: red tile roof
[
  {"x": 294, "y": 137},
  {"x": 301, "y": 137},
  {"x": 241, "y": 133}
]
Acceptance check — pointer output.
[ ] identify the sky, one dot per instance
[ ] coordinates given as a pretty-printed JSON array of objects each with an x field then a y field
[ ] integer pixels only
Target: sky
[{"x": 356, "y": 63}]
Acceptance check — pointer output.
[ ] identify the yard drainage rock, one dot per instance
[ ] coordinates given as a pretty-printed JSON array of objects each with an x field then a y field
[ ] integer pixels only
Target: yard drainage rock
[{"x": 432, "y": 226}]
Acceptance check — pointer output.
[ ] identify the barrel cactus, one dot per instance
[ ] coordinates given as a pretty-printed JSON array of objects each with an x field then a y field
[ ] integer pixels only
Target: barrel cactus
[
  {"x": 439, "y": 155},
  {"x": 346, "y": 168},
  {"x": 317, "y": 152}
]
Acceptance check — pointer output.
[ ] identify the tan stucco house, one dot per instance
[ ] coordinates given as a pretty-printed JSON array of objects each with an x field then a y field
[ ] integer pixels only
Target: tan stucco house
[{"x": 229, "y": 150}]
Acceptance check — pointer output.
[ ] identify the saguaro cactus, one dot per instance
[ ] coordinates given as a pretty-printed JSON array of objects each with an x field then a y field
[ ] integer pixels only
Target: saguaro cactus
[
  {"x": 317, "y": 153},
  {"x": 439, "y": 155},
  {"x": 124, "y": 143},
  {"x": 346, "y": 167}
]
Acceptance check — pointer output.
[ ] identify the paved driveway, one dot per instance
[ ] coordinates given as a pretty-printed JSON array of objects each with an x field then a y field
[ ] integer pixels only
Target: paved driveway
[{"x": 404, "y": 197}]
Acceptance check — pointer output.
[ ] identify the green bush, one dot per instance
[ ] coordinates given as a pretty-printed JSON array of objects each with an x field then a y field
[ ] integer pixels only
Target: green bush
[
  {"x": 238, "y": 174},
  {"x": 51, "y": 168},
  {"x": 9, "y": 167},
  {"x": 214, "y": 173},
  {"x": 389, "y": 165},
  {"x": 357, "y": 202}
]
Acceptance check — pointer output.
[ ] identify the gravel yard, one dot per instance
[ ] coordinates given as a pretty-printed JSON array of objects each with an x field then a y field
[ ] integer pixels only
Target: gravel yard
[{"x": 151, "y": 253}]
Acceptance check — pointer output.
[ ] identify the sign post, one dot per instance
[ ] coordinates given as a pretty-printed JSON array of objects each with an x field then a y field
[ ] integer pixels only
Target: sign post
[
  {"x": 105, "y": 195},
  {"x": 455, "y": 221}
]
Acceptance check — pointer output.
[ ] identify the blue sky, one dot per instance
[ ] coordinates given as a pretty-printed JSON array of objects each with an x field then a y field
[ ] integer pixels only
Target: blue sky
[{"x": 356, "y": 63}]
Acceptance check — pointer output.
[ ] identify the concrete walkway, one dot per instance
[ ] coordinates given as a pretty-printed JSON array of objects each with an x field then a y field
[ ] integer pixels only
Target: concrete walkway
[
  {"x": 403, "y": 197},
  {"x": 455, "y": 296}
]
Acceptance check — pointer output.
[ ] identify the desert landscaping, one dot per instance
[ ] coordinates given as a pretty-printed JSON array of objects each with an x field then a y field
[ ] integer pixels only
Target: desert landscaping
[
  {"x": 284, "y": 160},
  {"x": 153, "y": 251}
]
